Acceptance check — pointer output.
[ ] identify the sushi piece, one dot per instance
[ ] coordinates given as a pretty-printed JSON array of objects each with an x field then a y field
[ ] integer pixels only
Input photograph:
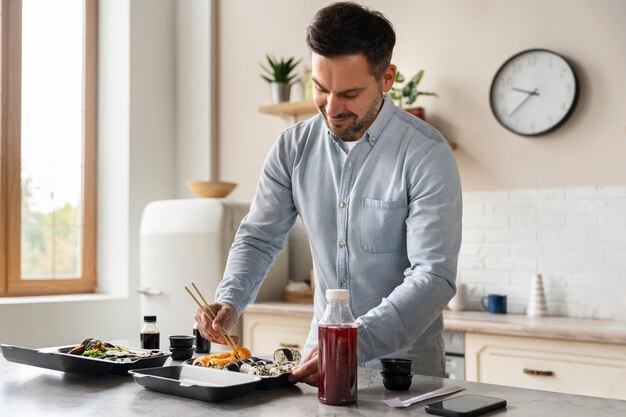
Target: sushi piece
[{"x": 287, "y": 355}]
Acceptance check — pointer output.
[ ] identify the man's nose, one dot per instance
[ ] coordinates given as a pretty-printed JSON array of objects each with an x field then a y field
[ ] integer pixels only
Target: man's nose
[{"x": 334, "y": 105}]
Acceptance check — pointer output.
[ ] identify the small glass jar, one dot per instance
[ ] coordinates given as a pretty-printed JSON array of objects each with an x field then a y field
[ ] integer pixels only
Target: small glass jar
[{"x": 150, "y": 336}]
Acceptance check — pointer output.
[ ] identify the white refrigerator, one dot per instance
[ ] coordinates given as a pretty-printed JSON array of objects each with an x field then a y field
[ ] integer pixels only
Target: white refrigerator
[{"x": 184, "y": 241}]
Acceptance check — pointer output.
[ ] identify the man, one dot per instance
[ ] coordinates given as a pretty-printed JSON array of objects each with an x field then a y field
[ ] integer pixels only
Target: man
[{"x": 378, "y": 192}]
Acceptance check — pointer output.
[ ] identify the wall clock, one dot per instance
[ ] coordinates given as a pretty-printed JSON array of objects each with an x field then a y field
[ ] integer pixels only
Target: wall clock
[{"x": 534, "y": 92}]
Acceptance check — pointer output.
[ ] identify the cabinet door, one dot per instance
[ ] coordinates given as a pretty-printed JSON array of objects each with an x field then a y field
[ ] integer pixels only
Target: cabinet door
[
  {"x": 552, "y": 365},
  {"x": 264, "y": 333}
]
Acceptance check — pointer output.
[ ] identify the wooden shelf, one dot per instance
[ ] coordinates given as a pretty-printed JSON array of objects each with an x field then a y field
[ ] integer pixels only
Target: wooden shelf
[
  {"x": 290, "y": 109},
  {"x": 295, "y": 109}
]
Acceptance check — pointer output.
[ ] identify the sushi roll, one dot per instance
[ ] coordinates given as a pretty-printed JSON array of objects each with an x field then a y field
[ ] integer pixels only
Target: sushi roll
[{"x": 287, "y": 355}]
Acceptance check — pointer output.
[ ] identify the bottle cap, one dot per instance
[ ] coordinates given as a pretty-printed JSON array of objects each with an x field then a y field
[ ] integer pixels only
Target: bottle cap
[
  {"x": 149, "y": 319},
  {"x": 337, "y": 295}
]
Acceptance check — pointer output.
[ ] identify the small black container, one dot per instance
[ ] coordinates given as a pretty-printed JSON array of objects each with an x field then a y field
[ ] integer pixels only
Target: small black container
[
  {"x": 202, "y": 345},
  {"x": 396, "y": 366},
  {"x": 181, "y": 354},
  {"x": 397, "y": 382},
  {"x": 181, "y": 341}
]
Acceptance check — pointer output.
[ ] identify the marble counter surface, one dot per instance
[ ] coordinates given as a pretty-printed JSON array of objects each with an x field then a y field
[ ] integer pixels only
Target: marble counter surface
[
  {"x": 560, "y": 328},
  {"x": 30, "y": 391}
]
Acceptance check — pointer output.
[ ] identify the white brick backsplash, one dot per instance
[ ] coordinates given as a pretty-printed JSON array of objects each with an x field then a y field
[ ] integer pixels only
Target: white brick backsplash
[
  {"x": 538, "y": 222},
  {"x": 537, "y": 194},
  {"x": 574, "y": 237},
  {"x": 473, "y": 236},
  {"x": 511, "y": 264},
  {"x": 565, "y": 207},
  {"x": 510, "y": 236},
  {"x": 486, "y": 249},
  {"x": 516, "y": 208}
]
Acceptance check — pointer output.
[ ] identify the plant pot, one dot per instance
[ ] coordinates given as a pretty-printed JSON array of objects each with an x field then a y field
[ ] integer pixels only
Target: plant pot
[
  {"x": 280, "y": 92},
  {"x": 418, "y": 112}
]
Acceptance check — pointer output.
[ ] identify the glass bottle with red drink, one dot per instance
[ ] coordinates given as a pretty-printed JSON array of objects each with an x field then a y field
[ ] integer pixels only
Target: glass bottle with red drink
[{"x": 337, "y": 384}]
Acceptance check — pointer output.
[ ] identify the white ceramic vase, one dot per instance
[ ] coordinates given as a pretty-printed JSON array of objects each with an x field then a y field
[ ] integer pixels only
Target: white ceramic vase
[
  {"x": 537, "y": 306},
  {"x": 459, "y": 301}
]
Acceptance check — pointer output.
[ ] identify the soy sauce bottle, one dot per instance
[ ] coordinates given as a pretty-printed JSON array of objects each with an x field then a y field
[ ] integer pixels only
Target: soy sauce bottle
[
  {"x": 337, "y": 339},
  {"x": 150, "y": 335}
]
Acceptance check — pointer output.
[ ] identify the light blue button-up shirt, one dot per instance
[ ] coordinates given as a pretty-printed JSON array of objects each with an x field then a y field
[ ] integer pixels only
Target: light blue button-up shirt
[{"x": 383, "y": 222}]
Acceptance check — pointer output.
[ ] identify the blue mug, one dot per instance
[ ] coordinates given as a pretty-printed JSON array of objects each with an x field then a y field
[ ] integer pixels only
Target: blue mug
[{"x": 496, "y": 304}]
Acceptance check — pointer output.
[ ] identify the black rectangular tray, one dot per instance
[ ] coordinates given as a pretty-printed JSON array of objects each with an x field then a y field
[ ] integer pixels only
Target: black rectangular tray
[
  {"x": 267, "y": 383},
  {"x": 198, "y": 383},
  {"x": 58, "y": 359}
]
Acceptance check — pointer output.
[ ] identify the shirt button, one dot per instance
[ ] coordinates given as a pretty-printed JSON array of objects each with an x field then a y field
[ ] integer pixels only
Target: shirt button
[
  {"x": 342, "y": 205},
  {"x": 342, "y": 283},
  {"x": 342, "y": 244}
]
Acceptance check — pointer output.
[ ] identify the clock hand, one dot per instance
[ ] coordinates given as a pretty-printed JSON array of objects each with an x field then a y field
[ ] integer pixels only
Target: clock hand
[
  {"x": 534, "y": 92},
  {"x": 528, "y": 96}
]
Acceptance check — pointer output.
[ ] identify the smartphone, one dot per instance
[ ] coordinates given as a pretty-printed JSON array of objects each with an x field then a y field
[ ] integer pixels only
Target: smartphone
[{"x": 467, "y": 405}]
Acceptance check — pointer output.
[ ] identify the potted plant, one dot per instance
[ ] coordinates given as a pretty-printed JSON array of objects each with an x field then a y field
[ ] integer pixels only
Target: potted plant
[
  {"x": 406, "y": 95},
  {"x": 279, "y": 74}
]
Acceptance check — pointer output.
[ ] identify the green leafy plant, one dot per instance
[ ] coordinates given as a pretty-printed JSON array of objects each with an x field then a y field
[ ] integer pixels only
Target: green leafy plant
[
  {"x": 280, "y": 71},
  {"x": 409, "y": 92}
]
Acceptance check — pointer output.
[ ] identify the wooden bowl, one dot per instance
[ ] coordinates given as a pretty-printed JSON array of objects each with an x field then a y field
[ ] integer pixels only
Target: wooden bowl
[{"x": 210, "y": 189}]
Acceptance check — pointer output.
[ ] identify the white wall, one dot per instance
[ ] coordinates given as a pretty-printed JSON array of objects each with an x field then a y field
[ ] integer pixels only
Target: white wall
[
  {"x": 460, "y": 44},
  {"x": 139, "y": 160}
]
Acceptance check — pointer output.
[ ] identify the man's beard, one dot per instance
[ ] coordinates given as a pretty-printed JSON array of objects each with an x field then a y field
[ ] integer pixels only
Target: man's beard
[{"x": 369, "y": 117}]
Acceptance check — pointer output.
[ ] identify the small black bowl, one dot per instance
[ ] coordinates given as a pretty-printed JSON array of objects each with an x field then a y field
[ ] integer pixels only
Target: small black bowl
[
  {"x": 181, "y": 354},
  {"x": 180, "y": 341},
  {"x": 396, "y": 366},
  {"x": 397, "y": 382}
]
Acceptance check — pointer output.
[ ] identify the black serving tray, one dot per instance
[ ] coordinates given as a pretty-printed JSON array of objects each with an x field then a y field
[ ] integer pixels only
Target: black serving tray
[
  {"x": 267, "y": 383},
  {"x": 194, "y": 382},
  {"x": 58, "y": 359}
]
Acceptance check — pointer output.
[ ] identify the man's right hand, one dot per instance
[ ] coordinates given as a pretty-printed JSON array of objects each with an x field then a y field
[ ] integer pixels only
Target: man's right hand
[{"x": 225, "y": 319}]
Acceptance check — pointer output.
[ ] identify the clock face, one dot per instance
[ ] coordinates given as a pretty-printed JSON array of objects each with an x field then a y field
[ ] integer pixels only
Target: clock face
[{"x": 534, "y": 92}]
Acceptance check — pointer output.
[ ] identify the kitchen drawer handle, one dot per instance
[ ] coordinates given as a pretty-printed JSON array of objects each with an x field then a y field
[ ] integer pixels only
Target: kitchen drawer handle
[
  {"x": 289, "y": 345},
  {"x": 537, "y": 372}
]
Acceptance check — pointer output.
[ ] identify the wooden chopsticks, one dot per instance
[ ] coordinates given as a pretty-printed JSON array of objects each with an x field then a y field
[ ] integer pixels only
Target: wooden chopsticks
[{"x": 209, "y": 313}]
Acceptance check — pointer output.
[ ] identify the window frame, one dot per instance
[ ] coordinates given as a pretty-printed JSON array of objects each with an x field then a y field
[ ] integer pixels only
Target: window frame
[{"x": 11, "y": 283}]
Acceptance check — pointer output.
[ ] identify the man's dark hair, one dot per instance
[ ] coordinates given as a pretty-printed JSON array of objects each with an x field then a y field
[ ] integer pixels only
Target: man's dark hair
[{"x": 348, "y": 28}]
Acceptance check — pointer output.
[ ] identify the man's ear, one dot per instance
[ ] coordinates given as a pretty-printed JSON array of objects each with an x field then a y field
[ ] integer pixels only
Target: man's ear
[{"x": 389, "y": 77}]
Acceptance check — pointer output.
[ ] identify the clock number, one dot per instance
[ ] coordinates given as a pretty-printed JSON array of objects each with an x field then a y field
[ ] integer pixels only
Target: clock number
[
  {"x": 532, "y": 60},
  {"x": 533, "y": 126},
  {"x": 517, "y": 67},
  {"x": 508, "y": 82},
  {"x": 563, "y": 106},
  {"x": 550, "y": 120},
  {"x": 562, "y": 73},
  {"x": 568, "y": 88}
]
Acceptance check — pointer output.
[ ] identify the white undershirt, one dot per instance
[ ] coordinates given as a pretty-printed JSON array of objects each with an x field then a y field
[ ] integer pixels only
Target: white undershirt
[{"x": 346, "y": 146}]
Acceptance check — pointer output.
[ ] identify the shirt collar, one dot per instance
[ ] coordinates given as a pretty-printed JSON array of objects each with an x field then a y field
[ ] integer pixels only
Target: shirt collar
[{"x": 382, "y": 120}]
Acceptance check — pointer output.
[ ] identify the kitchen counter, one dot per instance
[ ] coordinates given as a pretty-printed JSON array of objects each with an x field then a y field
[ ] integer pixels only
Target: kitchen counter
[
  {"x": 558, "y": 328},
  {"x": 26, "y": 390}
]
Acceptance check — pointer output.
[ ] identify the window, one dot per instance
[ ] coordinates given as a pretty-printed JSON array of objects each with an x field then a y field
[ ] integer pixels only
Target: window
[{"x": 48, "y": 146}]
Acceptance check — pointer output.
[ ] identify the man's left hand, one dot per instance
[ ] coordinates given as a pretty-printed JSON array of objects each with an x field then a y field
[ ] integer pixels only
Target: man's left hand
[{"x": 307, "y": 371}]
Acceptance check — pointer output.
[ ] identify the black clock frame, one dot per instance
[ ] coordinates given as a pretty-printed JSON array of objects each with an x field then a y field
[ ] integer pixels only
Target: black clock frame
[{"x": 563, "y": 119}]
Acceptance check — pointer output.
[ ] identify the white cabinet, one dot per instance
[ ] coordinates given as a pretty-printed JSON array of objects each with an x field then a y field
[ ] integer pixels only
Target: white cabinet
[
  {"x": 266, "y": 331},
  {"x": 597, "y": 369}
]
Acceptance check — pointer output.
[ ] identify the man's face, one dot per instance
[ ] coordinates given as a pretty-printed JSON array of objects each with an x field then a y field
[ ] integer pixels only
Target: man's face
[{"x": 347, "y": 95}]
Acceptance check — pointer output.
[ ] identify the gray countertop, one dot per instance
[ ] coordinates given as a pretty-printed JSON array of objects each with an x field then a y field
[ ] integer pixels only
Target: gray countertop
[
  {"x": 559, "y": 328},
  {"x": 29, "y": 391}
]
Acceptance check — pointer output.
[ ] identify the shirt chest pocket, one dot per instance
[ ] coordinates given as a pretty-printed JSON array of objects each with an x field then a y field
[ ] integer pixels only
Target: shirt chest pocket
[{"x": 382, "y": 225}]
